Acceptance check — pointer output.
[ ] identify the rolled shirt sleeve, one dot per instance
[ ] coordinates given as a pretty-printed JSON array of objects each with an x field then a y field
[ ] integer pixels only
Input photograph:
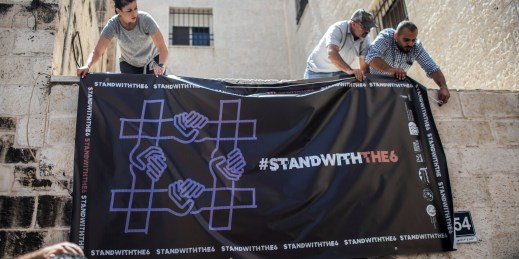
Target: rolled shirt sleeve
[{"x": 425, "y": 61}]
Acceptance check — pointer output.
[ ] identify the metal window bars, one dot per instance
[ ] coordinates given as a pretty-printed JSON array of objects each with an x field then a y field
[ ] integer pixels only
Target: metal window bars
[
  {"x": 389, "y": 13},
  {"x": 191, "y": 27}
]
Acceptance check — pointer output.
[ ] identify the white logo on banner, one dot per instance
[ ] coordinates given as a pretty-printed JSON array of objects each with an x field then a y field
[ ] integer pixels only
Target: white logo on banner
[
  {"x": 413, "y": 129},
  {"x": 422, "y": 173}
]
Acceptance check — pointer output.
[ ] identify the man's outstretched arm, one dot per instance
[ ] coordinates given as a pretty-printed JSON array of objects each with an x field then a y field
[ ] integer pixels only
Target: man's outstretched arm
[{"x": 439, "y": 79}]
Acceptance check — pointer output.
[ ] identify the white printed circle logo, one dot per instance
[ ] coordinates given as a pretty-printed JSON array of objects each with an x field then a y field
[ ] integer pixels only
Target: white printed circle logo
[
  {"x": 428, "y": 194},
  {"x": 413, "y": 129},
  {"x": 431, "y": 210}
]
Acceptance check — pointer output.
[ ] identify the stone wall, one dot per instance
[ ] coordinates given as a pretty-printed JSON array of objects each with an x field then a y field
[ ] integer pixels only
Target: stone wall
[
  {"x": 480, "y": 134},
  {"x": 36, "y": 182},
  {"x": 35, "y": 168},
  {"x": 76, "y": 34},
  {"x": 475, "y": 42}
]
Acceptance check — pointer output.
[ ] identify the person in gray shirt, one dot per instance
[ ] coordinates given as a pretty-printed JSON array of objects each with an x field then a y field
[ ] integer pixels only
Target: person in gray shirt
[
  {"x": 341, "y": 44},
  {"x": 143, "y": 49}
]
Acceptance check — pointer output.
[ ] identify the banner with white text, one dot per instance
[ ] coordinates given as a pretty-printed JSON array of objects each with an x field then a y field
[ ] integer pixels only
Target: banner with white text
[{"x": 177, "y": 167}]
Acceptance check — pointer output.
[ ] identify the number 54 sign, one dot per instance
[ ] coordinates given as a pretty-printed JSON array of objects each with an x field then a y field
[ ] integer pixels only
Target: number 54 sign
[{"x": 465, "y": 232}]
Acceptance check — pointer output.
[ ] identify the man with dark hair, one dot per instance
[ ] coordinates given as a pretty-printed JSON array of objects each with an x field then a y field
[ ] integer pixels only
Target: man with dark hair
[
  {"x": 341, "y": 44},
  {"x": 393, "y": 52}
]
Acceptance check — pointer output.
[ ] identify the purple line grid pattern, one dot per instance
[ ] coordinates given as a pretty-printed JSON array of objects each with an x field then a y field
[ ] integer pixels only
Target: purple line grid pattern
[{"x": 149, "y": 160}]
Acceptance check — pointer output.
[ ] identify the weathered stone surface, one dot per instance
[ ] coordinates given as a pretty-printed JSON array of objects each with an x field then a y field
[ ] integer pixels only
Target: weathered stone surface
[
  {"x": 14, "y": 99},
  {"x": 23, "y": 14},
  {"x": 25, "y": 71},
  {"x": 469, "y": 68},
  {"x": 484, "y": 231},
  {"x": 15, "y": 243},
  {"x": 450, "y": 110},
  {"x": 16, "y": 211},
  {"x": 43, "y": 11},
  {"x": 64, "y": 99},
  {"x": 20, "y": 155},
  {"x": 471, "y": 192},
  {"x": 17, "y": 70},
  {"x": 477, "y": 104},
  {"x": 6, "y": 142},
  {"x": 9, "y": 154},
  {"x": 7, "y": 38},
  {"x": 6, "y": 178},
  {"x": 54, "y": 211},
  {"x": 465, "y": 132},
  {"x": 504, "y": 190},
  {"x": 62, "y": 130},
  {"x": 7, "y": 124},
  {"x": 5, "y": 7},
  {"x": 57, "y": 235},
  {"x": 42, "y": 67},
  {"x": 60, "y": 159},
  {"x": 27, "y": 177},
  {"x": 31, "y": 134},
  {"x": 482, "y": 161},
  {"x": 504, "y": 240},
  {"x": 506, "y": 131},
  {"x": 30, "y": 42}
]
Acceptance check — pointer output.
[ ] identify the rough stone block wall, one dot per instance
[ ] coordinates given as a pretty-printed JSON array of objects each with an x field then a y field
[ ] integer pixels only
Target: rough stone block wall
[
  {"x": 35, "y": 186},
  {"x": 474, "y": 42},
  {"x": 480, "y": 134},
  {"x": 76, "y": 35},
  {"x": 35, "y": 183}
]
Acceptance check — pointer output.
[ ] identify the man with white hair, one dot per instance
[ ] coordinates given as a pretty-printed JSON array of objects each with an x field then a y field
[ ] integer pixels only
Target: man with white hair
[{"x": 341, "y": 44}]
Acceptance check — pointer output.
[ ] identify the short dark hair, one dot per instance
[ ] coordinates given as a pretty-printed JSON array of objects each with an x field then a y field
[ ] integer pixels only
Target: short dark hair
[
  {"x": 406, "y": 25},
  {"x": 119, "y": 4},
  {"x": 68, "y": 256}
]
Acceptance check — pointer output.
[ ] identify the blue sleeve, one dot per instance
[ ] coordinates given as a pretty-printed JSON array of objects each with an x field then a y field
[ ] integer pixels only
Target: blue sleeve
[
  {"x": 425, "y": 61},
  {"x": 379, "y": 46}
]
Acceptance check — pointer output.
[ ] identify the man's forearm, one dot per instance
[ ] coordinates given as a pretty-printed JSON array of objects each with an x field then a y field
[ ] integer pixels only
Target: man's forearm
[
  {"x": 336, "y": 59},
  {"x": 379, "y": 64},
  {"x": 439, "y": 78}
]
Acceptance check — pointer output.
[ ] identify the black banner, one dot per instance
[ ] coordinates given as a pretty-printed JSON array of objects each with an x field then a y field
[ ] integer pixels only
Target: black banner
[{"x": 174, "y": 167}]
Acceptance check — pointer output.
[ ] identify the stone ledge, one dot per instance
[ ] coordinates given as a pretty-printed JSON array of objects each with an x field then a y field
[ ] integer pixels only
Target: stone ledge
[{"x": 64, "y": 79}]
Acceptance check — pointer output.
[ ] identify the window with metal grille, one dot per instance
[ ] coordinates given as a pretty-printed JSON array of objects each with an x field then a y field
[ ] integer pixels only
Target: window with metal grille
[
  {"x": 389, "y": 13},
  {"x": 300, "y": 8},
  {"x": 191, "y": 27}
]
